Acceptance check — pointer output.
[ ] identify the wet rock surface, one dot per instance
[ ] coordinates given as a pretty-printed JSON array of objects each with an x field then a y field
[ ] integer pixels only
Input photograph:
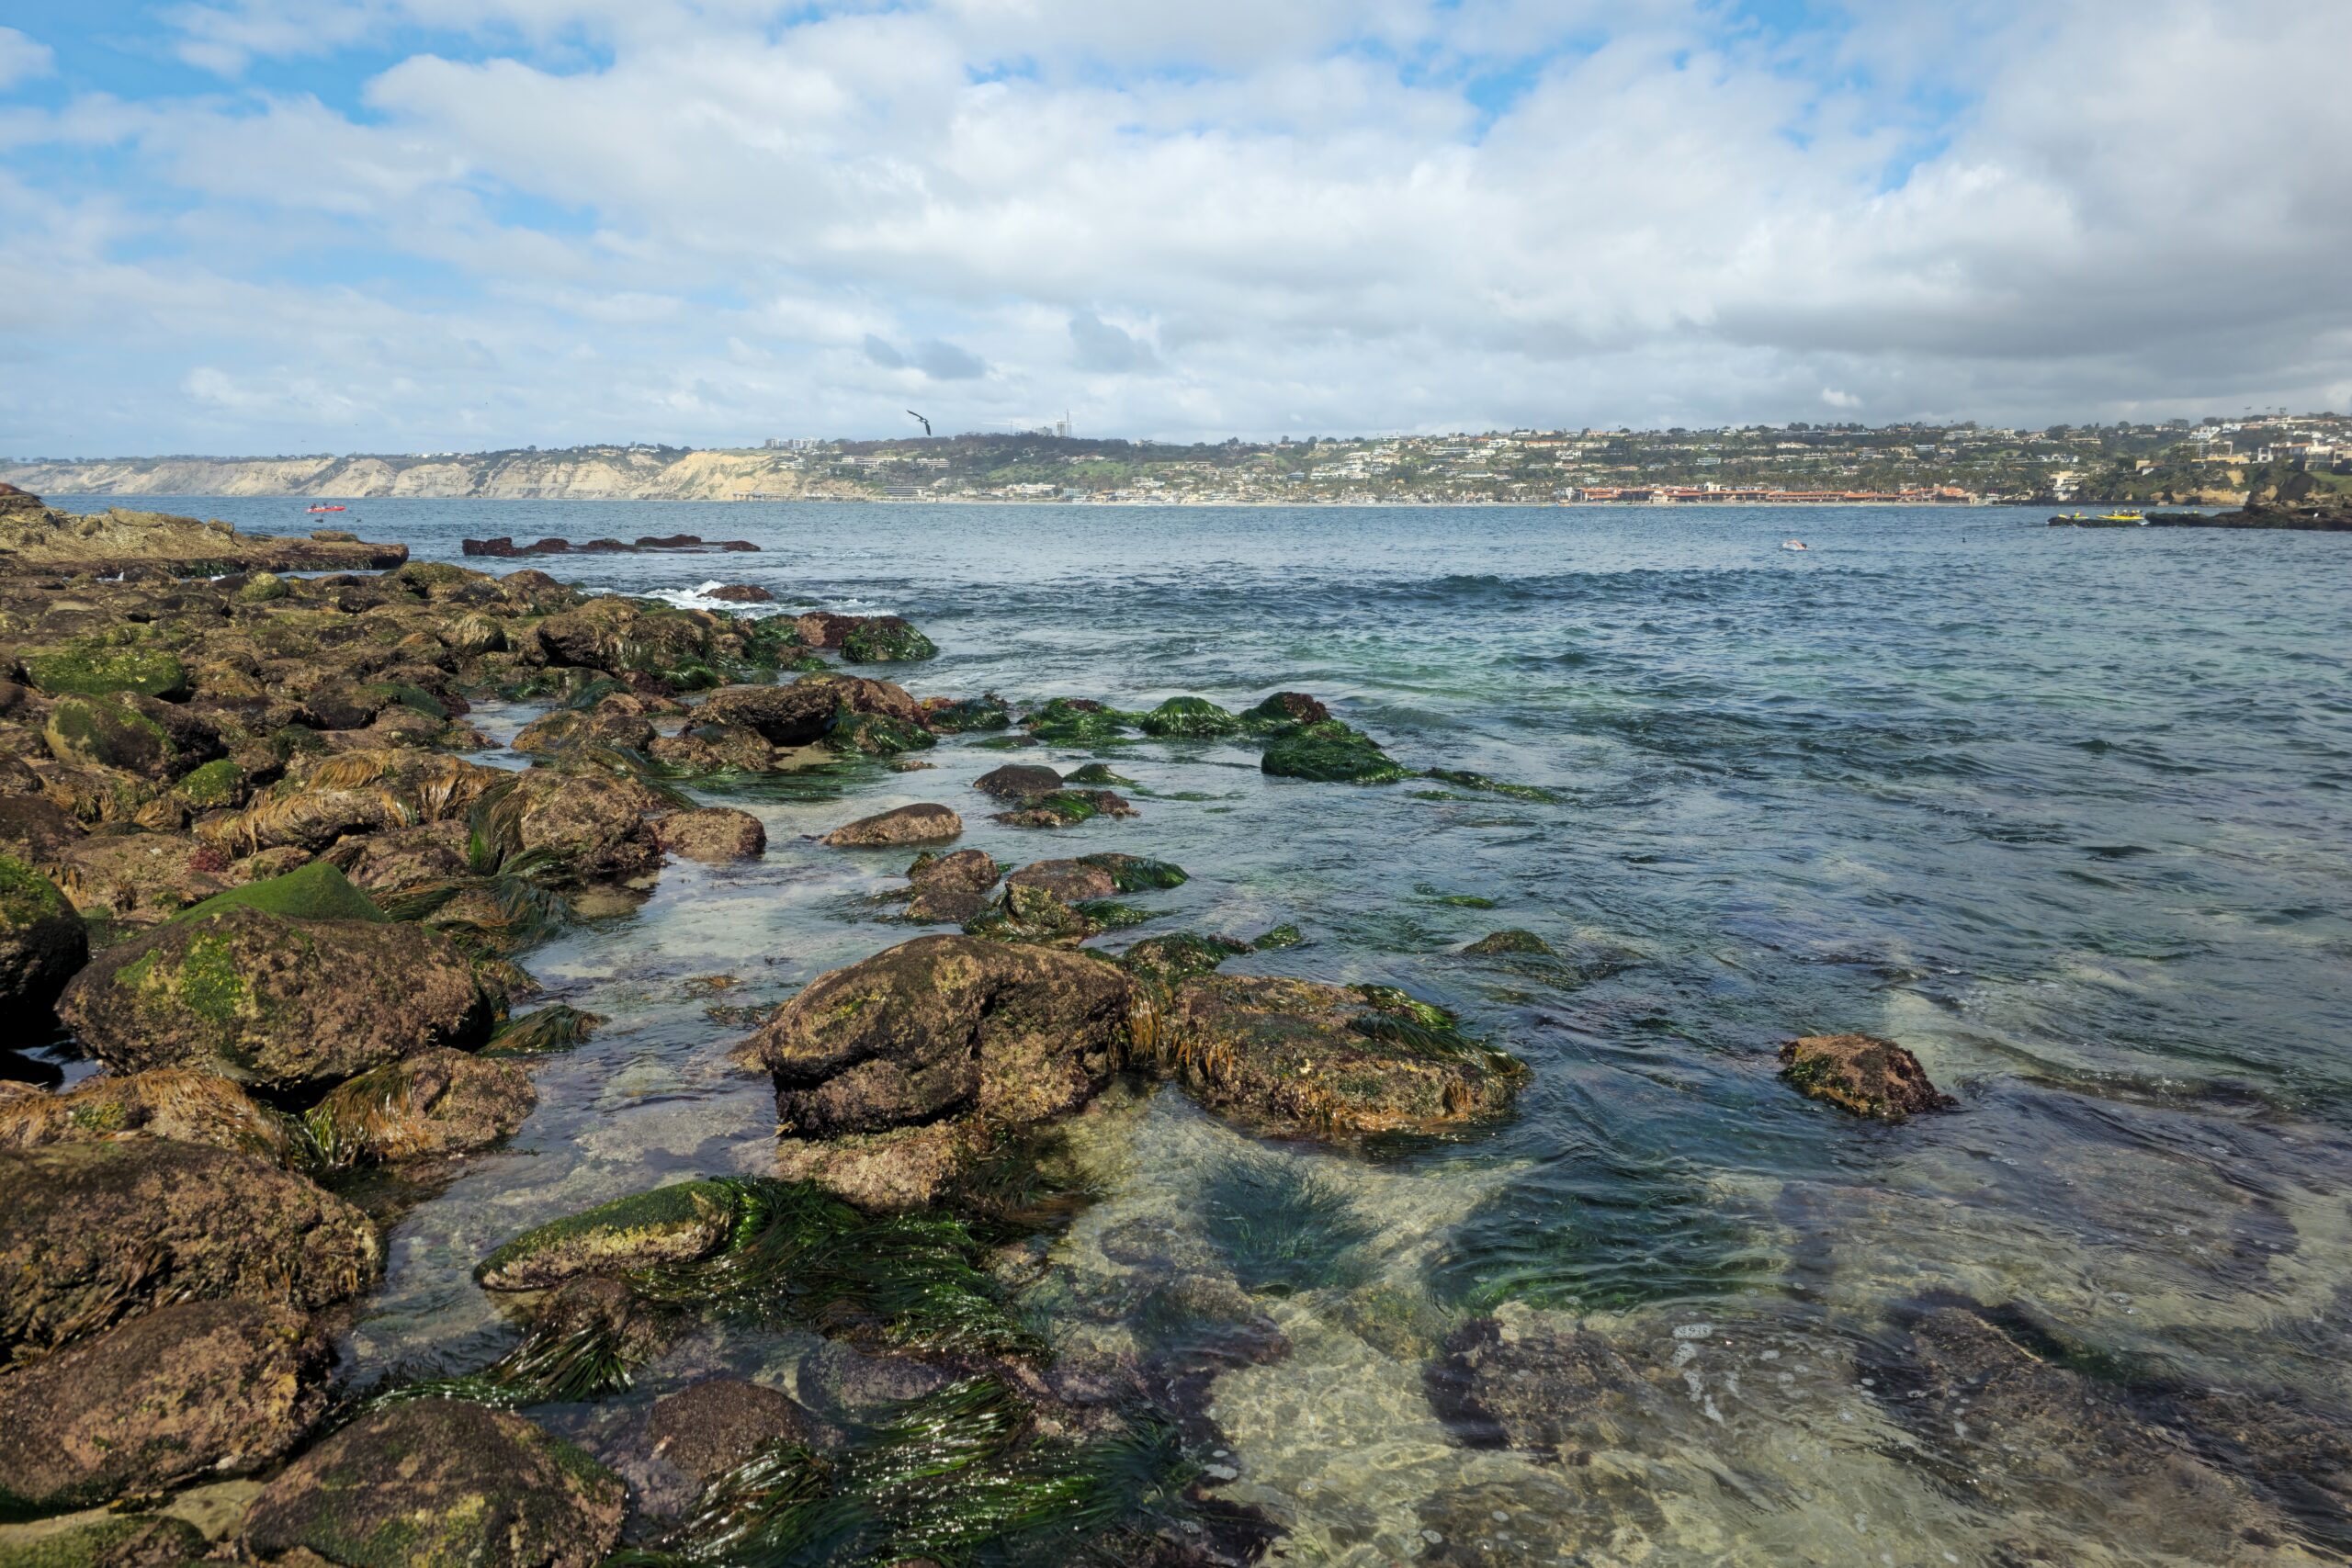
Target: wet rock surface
[
  {"x": 922, "y": 823},
  {"x": 950, "y": 890},
  {"x": 715, "y": 835},
  {"x": 675, "y": 1223},
  {"x": 97, "y": 1233},
  {"x": 1862, "y": 1075},
  {"x": 192, "y": 1389},
  {"x": 178, "y": 1104},
  {"x": 438, "y": 1483},
  {"x": 432, "y": 1103},
  {"x": 43, "y": 942}
]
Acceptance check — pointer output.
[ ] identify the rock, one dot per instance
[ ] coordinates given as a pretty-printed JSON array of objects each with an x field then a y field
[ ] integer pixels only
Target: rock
[
  {"x": 555, "y": 1028},
  {"x": 315, "y": 892},
  {"x": 1288, "y": 708},
  {"x": 33, "y": 828},
  {"x": 217, "y": 785},
  {"x": 591, "y": 824},
  {"x": 1136, "y": 874},
  {"x": 1018, "y": 780},
  {"x": 967, "y": 716},
  {"x": 101, "y": 1232},
  {"x": 716, "y": 835},
  {"x": 1031, "y": 914},
  {"x": 43, "y": 942},
  {"x": 948, "y": 1038},
  {"x": 609, "y": 1310},
  {"x": 1544, "y": 1386},
  {"x": 886, "y": 639},
  {"x": 676, "y": 1223},
  {"x": 105, "y": 732},
  {"x": 1862, "y": 1074},
  {"x": 1072, "y": 881},
  {"x": 277, "y": 1002},
  {"x": 1187, "y": 718},
  {"x": 798, "y": 714},
  {"x": 741, "y": 594},
  {"x": 950, "y": 887},
  {"x": 922, "y": 824},
  {"x": 1318, "y": 1061},
  {"x": 1331, "y": 752},
  {"x": 433, "y": 1104},
  {"x": 322, "y": 798},
  {"x": 1503, "y": 942},
  {"x": 440, "y": 1484},
  {"x": 707, "y": 1427},
  {"x": 110, "y": 1540},
  {"x": 1078, "y": 721},
  {"x": 168, "y": 1102},
  {"x": 1066, "y": 808},
  {"x": 1169, "y": 961},
  {"x": 117, "y": 541},
  {"x": 138, "y": 878},
  {"x": 191, "y": 1391},
  {"x": 91, "y": 667}
]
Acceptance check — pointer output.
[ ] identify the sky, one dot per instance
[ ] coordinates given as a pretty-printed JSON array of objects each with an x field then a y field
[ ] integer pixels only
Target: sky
[{"x": 265, "y": 226}]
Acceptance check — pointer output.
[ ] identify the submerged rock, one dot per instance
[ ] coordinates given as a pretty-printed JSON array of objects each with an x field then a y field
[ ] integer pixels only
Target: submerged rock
[
  {"x": 690, "y": 1436},
  {"x": 1306, "y": 1059},
  {"x": 950, "y": 888},
  {"x": 1862, "y": 1074},
  {"x": 433, "y": 1104},
  {"x": 1502, "y": 943},
  {"x": 1031, "y": 914},
  {"x": 715, "y": 835},
  {"x": 165, "y": 1102},
  {"x": 1066, "y": 808},
  {"x": 1072, "y": 881},
  {"x": 1018, "y": 780},
  {"x": 439, "y": 1484},
  {"x": 1187, "y": 718},
  {"x": 100, "y": 1232},
  {"x": 920, "y": 824},
  {"x": 886, "y": 639},
  {"x": 1543, "y": 1385},
  {"x": 278, "y": 1002},
  {"x": 675, "y": 1223},
  {"x": 1331, "y": 752},
  {"x": 43, "y": 942},
  {"x": 191, "y": 1391},
  {"x": 926, "y": 1053}
]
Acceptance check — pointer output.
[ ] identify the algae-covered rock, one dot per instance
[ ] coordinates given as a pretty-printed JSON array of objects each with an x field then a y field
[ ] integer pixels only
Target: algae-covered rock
[
  {"x": 315, "y": 892},
  {"x": 877, "y": 734},
  {"x": 592, "y": 825},
  {"x": 433, "y": 1104},
  {"x": 967, "y": 716},
  {"x": 886, "y": 639},
  {"x": 138, "y": 878},
  {"x": 1331, "y": 752},
  {"x": 439, "y": 1484},
  {"x": 1078, "y": 721},
  {"x": 798, "y": 714},
  {"x": 920, "y": 824},
  {"x": 715, "y": 835},
  {"x": 105, "y": 1540},
  {"x": 1072, "y": 881},
  {"x": 43, "y": 942},
  {"x": 555, "y": 1028},
  {"x": 322, "y": 798},
  {"x": 950, "y": 888},
  {"x": 1508, "y": 943},
  {"x": 92, "y": 666},
  {"x": 1066, "y": 808},
  {"x": 1136, "y": 873},
  {"x": 100, "y": 1232},
  {"x": 188, "y": 1392},
  {"x": 1189, "y": 718},
  {"x": 948, "y": 1036},
  {"x": 219, "y": 784},
  {"x": 1018, "y": 780},
  {"x": 1031, "y": 914},
  {"x": 1324, "y": 1062},
  {"x": 278, "y": 1002},
  {"x": 166, "y": 1102},
  {"x": 105, "y": 733},
  {"x": 1862, "y": 1074},
  {"x": 706, "y": 1428},
  {"x": 676, "y": 1223},
  {"x": 1286, "y": 708},
  {"x": 1169, "y": 961}
]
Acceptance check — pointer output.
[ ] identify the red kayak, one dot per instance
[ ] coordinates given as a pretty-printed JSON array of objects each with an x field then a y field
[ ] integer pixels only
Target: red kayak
[{"x": 326, "y": 509}]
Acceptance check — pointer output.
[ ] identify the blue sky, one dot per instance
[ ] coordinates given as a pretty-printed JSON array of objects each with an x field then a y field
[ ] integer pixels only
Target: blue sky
[{"x": 299, "y": 225}]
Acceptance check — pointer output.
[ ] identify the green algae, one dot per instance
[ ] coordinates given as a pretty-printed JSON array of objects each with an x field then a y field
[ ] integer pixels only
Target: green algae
[
  {"x": 1169, "y": 961},
  {"x": 92, "y": 729},
  {"x": 27, "y": 898},
  {"x": 1136, "y": 873},
  {"x": 1031, "y": 915},
  {"x": 875, "y": 735},
  {"x": 1329, "y": 752},
  {"x": 1098, "y": 775},
  {"x": 1070, "y": 721},
  {"x": 120, "y": 1539},
  {"x": 216, "y": 785},
  {"x": 618, "y": 1235},
  {"x": 1512, "y": 940},
  {"x": 1484, "y": 786},
  {"x": 971, "y": 716},
  {"x": 1189, "y": 718},
  {"x": 315, "y": 892},
  {"x": 553, "y": 1028},
  {"x": 91, "y": 667},
  {"x": 887, "y": 641}
]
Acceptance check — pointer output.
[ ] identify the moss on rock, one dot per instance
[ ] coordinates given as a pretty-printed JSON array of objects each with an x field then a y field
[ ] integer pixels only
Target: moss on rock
[
  {"x": 43, "y": 942},
  {"x": 315, "y": 892},
  {"x": 1330, "y": 752},
  {"x": 94, "y": 666},
  {"x": 1189, "y": 718},
  {"x": 669, "y": 1225},
  {"x": 886, "y": 639}
]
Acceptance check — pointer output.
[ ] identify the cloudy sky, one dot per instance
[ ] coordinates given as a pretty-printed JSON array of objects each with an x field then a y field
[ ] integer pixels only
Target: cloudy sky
[{"x": 308, "y": 225}]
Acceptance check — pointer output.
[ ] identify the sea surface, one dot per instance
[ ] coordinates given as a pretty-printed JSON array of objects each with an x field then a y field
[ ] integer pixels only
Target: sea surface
[{"x": 2067, "y": 812}]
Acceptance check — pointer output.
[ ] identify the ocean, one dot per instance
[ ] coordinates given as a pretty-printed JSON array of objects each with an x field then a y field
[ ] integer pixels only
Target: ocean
[{"x": 2065, "y": 812}]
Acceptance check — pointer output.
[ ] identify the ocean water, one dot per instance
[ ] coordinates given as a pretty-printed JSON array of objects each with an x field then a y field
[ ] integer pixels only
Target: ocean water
[{"x": 2065, "y": 812}]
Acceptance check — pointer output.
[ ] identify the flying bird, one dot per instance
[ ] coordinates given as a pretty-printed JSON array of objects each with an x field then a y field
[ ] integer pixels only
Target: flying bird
[{"x": 919, "y": 420}]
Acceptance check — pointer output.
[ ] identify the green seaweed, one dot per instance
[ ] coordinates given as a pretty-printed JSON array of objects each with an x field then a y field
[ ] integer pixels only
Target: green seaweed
[
  {"x": 875, "y": 735},
  {"x": 90, "y": 667},
  {"x": 1329, "y": 752},
  {"x": 553, "y": 1028},
  {"x": 1136, "y": 873},
  {"x": 1282, "y": 1226},
  {"x": 1072, "y": 721},
  {"x": 971, "y": 716},
  {"x": 1189, "y": 718},
  {"x": 313, "y": 892},
  {"x": 1486, "y": 785},
  {"x": 886, "y": 640},
  {"x": 217, "y": 784},
  {"x": 1097, "y": 775}
]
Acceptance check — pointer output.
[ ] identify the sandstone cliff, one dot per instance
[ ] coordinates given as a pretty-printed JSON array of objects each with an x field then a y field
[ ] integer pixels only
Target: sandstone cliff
[{"x": 620, "y": 473}]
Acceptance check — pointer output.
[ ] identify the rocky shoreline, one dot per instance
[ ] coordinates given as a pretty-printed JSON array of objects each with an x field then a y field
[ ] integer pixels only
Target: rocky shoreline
[
  {"x": 249, "y": 865},
  {"x": 2308, "y": 515}
]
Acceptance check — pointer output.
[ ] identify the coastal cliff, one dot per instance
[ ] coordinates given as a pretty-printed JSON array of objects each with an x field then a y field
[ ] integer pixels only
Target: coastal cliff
[{"x": 615, "y": 473}]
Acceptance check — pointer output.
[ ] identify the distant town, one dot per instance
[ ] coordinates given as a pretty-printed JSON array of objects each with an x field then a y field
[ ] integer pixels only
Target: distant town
[{"x": 2216, "y": 460}]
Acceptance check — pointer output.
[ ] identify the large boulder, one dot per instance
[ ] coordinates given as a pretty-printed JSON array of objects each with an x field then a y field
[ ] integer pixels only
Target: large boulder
[
  {"x": 284, "y": 1003},
  {"x": 1339, "y": 1063},
  {"x": 715, "y": 835},
  {"x": 1071, "y": 881},
  {"x": 435, "y": 1102},
  {"x": 438, "y": 1484},
  {"x": 591, "y": 824},
  {"x": 922, "y": 824},
  {"x": 798, "y": 714},
  {"x": 691, "y": 1437},
  {"x": 675, "y": 1223},
  {"x": 128, "y": 732},
  {"x": 890, "y": 1073},
  {"x": 321, "y": 799},
  {"x": 136, "y": 878},
  {"x": 43, "y": 942},
  {"x": 168, "y": 1102},
  {"x": 190, "y": 1391},
  {"x": 99, "y": 1232},
  {"x": 950, "y": 888}
]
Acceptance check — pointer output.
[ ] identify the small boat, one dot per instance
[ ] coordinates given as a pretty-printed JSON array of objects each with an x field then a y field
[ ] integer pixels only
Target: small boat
[
  {"x": 326, "y": 509},
  {"x": 1792, "y": 543},
  {"x": 2124, "y": 517}
]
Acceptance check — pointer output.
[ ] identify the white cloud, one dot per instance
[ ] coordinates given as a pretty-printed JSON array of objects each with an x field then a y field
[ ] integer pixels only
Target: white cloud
[
  {"x": 1204, "y": 219},
  {"x": 22, "y": 59}
]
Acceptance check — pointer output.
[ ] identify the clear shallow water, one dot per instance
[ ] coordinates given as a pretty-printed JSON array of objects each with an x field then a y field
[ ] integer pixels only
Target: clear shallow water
[{"x": 2065, "y": 812}]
